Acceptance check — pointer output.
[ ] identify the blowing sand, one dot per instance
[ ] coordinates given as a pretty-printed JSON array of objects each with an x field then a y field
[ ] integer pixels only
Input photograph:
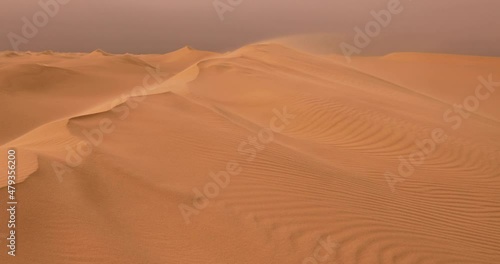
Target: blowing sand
[{"x": 261, "y": 155}]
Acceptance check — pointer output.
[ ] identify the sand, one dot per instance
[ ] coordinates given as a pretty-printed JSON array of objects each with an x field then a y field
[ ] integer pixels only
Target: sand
[{"x": 305, "y": 150}]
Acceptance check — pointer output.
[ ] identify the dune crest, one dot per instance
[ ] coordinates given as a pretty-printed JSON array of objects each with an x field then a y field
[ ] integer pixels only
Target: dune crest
[{"x": 98, "y": 53}]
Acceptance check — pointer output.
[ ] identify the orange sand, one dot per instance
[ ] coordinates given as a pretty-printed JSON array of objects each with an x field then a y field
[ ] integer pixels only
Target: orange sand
[{"x": 322, "y": 174}]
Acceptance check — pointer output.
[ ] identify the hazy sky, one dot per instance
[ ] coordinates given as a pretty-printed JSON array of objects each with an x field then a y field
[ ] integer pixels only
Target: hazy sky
[{"x": 159, "y": 26}]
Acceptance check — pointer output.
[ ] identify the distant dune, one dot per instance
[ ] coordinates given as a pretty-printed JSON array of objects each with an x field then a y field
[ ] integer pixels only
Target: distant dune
[{"x": 313, "y": 137}]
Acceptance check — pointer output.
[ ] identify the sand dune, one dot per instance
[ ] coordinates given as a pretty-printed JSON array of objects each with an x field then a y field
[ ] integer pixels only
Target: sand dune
[{"x": 313, "y": 139}]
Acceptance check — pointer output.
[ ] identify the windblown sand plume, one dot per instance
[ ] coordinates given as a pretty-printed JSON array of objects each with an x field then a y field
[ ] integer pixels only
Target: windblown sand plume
[{"x": 265, "y": 154}]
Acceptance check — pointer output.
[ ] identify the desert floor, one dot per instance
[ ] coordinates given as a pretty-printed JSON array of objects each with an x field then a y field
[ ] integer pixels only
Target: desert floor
[{"x": 265, "y": 154}]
